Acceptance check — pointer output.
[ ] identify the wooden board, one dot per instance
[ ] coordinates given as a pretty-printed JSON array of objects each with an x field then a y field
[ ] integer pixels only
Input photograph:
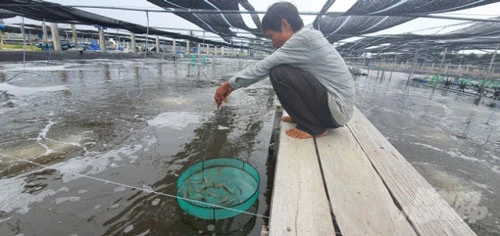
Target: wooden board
[
  {"x": 427, "y": 211},
  {"x": 299, "y": 204},
  {"x": 361, "y": 203}
]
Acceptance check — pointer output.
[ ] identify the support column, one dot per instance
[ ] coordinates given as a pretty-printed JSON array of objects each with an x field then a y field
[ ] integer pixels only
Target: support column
[
  {"x": 75, "y": 38},
  {"x": 174, "y": 50},
  {"x": 187, "y": 47},
  {"x": 215, "y": 50},
  {"x": 393, "y": 65},
  {"x": 490, "y": 70},
  {"x": 55, "y": 37},
  {"x": 132, "y": 42},
  {"x": 199, "y": 49},
  {"x": 1, "y": 40},
  {"x": 102, "y": 42},
  {"x": 222, "y": 51},
  {"x": 157, "y": 43},
  {"x": 440, "y": 69},
  {"x": 208, "y": 49},
  {"x": 413, "y": 65},
  {"x": 44, "y": 32}
]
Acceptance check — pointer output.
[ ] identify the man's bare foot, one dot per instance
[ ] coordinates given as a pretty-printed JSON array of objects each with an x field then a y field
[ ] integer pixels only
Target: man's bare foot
[
  {"x": 297, "y": 133},
  {"x": 287, "y": 119}
]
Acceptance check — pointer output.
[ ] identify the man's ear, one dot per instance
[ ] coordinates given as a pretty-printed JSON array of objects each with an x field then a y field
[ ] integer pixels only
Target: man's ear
[{"x": 285, "y": 26}]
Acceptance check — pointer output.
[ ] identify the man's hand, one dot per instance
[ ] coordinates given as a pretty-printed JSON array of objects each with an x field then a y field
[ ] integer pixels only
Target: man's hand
[{"x": 222, "y": 93}]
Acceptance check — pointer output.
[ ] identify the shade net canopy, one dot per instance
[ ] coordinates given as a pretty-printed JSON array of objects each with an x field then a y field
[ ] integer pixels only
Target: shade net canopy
[
  {"x": 408, "y": 7},
  {"x": 224, "y": 18},
  {"x": 51, "y": 12},
  {"x": 218, "y": 23}
]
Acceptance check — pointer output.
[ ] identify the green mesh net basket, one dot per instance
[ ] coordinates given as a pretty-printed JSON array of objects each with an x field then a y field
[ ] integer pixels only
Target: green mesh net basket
[{"x": 218, "y": 188}]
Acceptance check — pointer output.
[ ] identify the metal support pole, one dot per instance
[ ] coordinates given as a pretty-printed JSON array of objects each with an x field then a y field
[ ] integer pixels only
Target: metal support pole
[
  {"x": 489, "y": 72},
  {"x": 392, "y": 67},
  {"x": 412, "y": 67},
  {"x": 440, "y": 69}
]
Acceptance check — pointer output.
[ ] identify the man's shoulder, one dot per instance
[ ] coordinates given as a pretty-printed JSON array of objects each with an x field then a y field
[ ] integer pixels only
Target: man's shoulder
[{"x": 309, "y": 33}]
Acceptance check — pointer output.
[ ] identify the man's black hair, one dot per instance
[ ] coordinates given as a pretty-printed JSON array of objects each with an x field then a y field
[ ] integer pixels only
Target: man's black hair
[{"x": 278, "y": 11}]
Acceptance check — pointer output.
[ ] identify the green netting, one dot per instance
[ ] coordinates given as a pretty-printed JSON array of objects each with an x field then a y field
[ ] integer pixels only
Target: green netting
[{"x": 211, "y": 189}]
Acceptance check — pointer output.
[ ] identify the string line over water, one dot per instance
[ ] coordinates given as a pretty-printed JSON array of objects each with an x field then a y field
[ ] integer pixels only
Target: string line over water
[{"x": 135, "y": 187}]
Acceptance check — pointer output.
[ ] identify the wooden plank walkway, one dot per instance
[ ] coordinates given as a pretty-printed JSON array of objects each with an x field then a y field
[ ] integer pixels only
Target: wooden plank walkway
[{"x": 357, "y": 175}]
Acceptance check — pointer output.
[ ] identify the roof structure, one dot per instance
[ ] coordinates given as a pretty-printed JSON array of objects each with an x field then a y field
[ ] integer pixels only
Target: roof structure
[{"x": 224, "y": 18}]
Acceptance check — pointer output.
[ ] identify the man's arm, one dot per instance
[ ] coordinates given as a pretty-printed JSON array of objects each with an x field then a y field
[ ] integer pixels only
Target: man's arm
[{"x": 295, "y": 51}]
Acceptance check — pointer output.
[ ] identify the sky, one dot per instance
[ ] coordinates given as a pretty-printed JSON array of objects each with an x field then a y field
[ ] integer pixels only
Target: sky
[{"x": 170, "y": 20}]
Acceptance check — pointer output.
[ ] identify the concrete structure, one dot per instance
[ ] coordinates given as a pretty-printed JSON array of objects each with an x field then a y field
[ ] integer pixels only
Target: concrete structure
[
  {"x": 44, "y": 32},
  {"x": 157, "y": 43},
  {"x": 132, "y": 42},
  {"x": 102, "y": 41},
  {"x": 174, "y": 49},
  {"x": 55, "y": 37},
  {"x": 75, "y": 37}
]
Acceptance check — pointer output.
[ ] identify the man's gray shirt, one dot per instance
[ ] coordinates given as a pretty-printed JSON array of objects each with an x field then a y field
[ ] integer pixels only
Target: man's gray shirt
[{"x": 310, "y": 51}]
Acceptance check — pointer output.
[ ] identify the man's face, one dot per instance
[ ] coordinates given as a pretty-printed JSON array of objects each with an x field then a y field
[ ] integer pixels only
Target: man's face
[{"x": 279, "y": 38}]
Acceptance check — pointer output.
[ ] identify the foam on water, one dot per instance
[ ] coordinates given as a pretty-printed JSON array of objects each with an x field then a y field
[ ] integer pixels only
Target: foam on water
[
  {"x": 175, "y": 120},
  {"x": 35, "y": 68},
  {"x": 456, "y": 153},
  {"x": 93, "y": 163},
  {"x": 144, "y": 233},
  {"x": 60, "y": 200},
  {"x": 13, "y": 197},
  {"x": 23, "y": 91},
  {"x": 43, "y": 145},
  {"x": 128, "y": 228},
  {"x": 177, "y": 101}
]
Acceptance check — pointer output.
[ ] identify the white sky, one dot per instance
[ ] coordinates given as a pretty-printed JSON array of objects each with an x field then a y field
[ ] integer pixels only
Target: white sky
[{"x": 172, "y": 21}]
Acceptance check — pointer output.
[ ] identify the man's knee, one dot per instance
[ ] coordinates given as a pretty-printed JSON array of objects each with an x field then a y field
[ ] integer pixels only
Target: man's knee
[
  {"x": 279, "y": 69},
  {"x": 278, "y": 72}
]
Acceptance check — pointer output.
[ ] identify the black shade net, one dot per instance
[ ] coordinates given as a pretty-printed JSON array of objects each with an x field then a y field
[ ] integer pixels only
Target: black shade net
[
  {"x": 220, "y": 23},
  {"x": 364, "y": 17},
  {"x": 45, "y": 11},
  {"x": 408, "y": 7}
]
